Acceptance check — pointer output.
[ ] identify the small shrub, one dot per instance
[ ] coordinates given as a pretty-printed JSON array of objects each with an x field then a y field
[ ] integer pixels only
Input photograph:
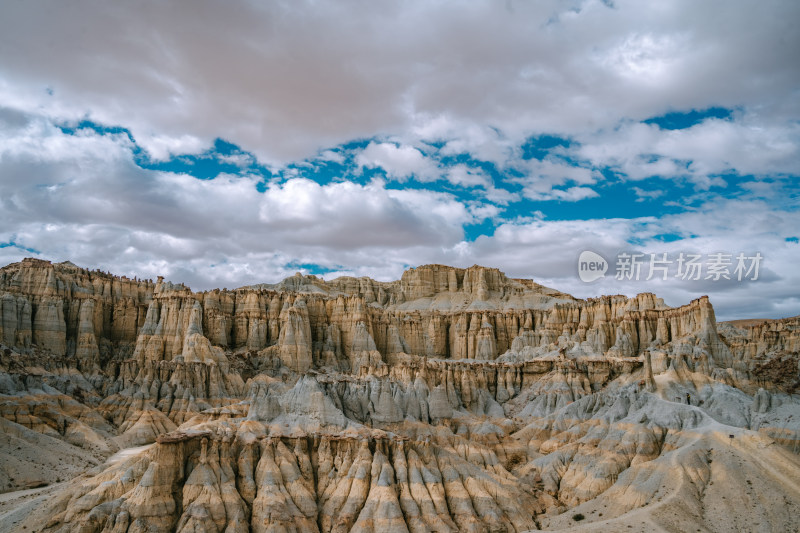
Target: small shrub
[
  {"x": 578, "y": 517},
  {"x": 514, "y": 461}
]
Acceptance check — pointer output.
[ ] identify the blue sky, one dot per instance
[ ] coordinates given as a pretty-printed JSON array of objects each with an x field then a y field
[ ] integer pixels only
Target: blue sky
[{"x": 353, "y": 140}]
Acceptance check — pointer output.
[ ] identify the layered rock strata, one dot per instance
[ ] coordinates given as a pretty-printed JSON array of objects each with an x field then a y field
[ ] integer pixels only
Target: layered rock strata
[{"x": 449, "y": 400}]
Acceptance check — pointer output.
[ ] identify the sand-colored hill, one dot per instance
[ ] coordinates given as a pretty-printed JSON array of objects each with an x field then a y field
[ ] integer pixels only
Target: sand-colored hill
[{"x": 450, "y": 400}]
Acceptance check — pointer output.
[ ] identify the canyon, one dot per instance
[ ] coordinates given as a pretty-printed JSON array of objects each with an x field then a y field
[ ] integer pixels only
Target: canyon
[{"x": 449, "y": 400}]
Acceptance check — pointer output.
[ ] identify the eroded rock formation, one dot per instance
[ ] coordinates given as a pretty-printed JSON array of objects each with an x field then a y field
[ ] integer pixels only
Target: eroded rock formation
[{"x": 450, "y": 400}]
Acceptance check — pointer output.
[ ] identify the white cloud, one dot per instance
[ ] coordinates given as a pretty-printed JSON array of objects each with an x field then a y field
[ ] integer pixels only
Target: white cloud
[
  {"x": 544, "y": 179},
  {"x": 501, "y": 196},
  {"x": 240, "y": 160},
  {"x": 331, "y": 155},
  {"x": 646, "y": 58},
  {"x": 547, "y": 251},
  {"x": 284, "y": 80},
  {"x": 643, "y": 194},
  {"x": 80, "y": 197},
  {"x": 351, "y": 216},
  {"x": 571, "y": 194},
  {"x": 481, "y": 212},
  {"x": 163, "y": 147},
  {"x": 399, "y": 162},
  {"x": 465, "y": 176},
  {"x": 462, "y": 136},
  {"x": 713, "y": 146},
  {"x": 480, "y": 184}
]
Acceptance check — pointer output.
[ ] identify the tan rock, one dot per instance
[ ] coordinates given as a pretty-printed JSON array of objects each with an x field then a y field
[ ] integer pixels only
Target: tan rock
[{"x": 450, "y": 400}]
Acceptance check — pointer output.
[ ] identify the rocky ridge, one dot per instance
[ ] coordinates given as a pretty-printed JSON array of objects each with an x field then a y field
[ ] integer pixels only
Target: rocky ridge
[{"x": 450, "y": 400}]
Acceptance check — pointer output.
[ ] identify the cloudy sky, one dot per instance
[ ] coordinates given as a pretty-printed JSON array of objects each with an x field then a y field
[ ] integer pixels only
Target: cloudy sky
[{"x": 223, "y": 144}]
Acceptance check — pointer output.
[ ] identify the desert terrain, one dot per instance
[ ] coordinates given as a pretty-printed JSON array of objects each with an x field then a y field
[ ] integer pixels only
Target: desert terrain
[{"x": 449, "y": 400}]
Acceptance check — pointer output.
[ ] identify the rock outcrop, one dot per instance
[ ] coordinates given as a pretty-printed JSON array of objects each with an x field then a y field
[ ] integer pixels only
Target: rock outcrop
[{"x": 449, "y": 400}]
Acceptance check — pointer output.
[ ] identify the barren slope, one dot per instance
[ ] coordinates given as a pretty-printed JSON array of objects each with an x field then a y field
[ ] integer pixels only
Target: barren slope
[{"x": 450, "y": 400}]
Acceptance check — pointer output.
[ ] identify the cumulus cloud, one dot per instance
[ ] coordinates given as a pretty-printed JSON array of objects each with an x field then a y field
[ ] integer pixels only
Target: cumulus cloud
[
  {"x": 571, "y": 194},
  {"x": 548, "y": 252},
  {"x": 647, "y": 58},
  {"x": 351, "y": 216},
  {"x": 480, "y": 184},
  {"x": 464, "y": 176},
  {"x": 399, "y": 162},
  {"x": 713, "y": 146},
  {"x": 283, "y": 79},
  {"x": 643, "y": 194},
  {"x": 81, "y": 197},
  {"x": 544, "y": 179}
]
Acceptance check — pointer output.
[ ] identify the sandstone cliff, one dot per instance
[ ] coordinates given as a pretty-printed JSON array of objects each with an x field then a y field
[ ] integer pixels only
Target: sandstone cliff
[{"x": 450, "y": 400}]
